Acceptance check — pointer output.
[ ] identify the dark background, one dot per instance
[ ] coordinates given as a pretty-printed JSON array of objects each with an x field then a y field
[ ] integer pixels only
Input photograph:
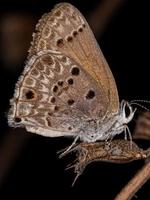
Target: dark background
[{"x": 29, "y": 165}]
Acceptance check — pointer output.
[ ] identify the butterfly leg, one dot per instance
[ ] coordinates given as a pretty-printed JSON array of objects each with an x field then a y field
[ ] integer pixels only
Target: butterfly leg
[
  {"x": 109, "y": 139},
  {"x": 67, "y": 150},
  {"x": 127, "y": 130},
  {"x": 125, "y": 134}
]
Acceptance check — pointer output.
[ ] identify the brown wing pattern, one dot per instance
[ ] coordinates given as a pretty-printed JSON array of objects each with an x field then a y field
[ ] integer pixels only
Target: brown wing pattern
[
  {"x": 64, "y": 29},
  {"x": 54, "y": 96}
]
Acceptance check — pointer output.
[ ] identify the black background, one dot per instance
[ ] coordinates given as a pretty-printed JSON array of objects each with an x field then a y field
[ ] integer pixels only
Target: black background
[{"x": 37, "y": 171}]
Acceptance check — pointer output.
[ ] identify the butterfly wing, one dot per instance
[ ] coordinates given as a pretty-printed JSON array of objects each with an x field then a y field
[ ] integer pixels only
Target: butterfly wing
[
  {"x": 66, "y": 80},
  {"x": 55, "y": 95},
  {"x": 65, "y": 29}
]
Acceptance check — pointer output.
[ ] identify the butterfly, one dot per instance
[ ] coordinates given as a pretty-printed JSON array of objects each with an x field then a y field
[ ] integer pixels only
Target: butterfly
[{"x": 67, "y": 87}]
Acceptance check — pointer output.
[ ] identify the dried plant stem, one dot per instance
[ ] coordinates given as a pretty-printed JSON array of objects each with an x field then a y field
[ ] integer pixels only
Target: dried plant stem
[{"x": 135, "y": 183}]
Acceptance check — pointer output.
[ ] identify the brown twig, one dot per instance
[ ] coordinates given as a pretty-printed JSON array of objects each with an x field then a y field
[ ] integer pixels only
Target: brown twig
[
  {"x": 118, "y": 151},
  {"x": 135, "y": 183},
  {"x": 142, "y": 131}
]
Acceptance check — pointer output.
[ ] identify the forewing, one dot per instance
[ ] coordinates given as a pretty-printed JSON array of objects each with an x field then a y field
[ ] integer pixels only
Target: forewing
[
  {"x": 55, "y": 95},
  {"x": 64, "y": 29}
]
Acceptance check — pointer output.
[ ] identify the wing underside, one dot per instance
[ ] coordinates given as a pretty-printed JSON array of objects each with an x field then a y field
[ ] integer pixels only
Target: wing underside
[{"x": 65, "y": 29}]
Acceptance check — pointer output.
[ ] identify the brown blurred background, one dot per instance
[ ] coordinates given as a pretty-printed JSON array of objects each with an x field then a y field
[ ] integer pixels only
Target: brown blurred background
[{"x": 28, "y": 163}]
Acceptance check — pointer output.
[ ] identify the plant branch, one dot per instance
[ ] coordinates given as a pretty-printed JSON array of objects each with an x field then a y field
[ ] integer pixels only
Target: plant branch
[{"x": 135, "y": 183}]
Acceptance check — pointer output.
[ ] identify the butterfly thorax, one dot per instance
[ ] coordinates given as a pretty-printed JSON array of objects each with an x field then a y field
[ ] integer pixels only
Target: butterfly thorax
[{"x": 109, "y": 126}]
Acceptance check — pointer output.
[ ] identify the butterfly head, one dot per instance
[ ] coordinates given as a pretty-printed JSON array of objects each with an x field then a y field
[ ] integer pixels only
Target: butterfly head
[
  {"x": 126, "y": 112},
  {"x": 125, "y": 115}
]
